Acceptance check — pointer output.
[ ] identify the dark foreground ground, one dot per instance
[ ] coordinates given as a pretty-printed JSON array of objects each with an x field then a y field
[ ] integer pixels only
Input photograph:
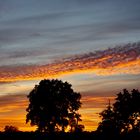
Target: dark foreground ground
[{"x": 66, "y": 136}]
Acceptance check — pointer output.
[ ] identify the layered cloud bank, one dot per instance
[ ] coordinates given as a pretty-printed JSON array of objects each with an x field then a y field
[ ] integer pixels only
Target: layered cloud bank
[{"x": 118, "y": 60}]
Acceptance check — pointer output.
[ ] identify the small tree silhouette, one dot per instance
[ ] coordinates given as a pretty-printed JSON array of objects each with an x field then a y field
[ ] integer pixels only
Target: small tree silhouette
[
  {"x": 10, "y": 129},
  {"x": 74, "y": 118},
  {"x": 124, "y": 115},
  {"x": 108, "y": 125},
  {"x": 51, "y": 103}
]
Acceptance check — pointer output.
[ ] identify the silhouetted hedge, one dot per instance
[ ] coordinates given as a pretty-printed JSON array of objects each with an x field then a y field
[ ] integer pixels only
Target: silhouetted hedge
[{"x": 66, "y": 136}]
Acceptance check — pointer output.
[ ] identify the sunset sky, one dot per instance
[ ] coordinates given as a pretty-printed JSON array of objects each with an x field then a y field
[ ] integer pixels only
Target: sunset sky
[{"x": 92, "y": 44}]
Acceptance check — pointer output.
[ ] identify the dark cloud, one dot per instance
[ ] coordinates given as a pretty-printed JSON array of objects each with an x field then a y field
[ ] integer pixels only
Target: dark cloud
[
  {"x": 110, "y": 17},
  {"x": 30, "y": 34}
]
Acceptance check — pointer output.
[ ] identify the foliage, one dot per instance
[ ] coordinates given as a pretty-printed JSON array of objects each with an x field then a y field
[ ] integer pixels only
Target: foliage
[
  {"x": 66, "y": 136},
  {"x": 124, "y": 115},
  {"x": 107, "y": 125},
  {"x": 50, "y": 105},
  {"x": 79, "y": 128},
  {"x": 10, "y": 128},
  {"x": 74, "y": 119}
]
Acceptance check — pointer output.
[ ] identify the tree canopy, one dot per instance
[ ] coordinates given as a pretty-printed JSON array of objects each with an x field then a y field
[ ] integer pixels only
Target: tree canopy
[
  {"x": 123, "y": 115},
  {"x": 51, "y": 105},
  {"x": 10, "y": 129}
]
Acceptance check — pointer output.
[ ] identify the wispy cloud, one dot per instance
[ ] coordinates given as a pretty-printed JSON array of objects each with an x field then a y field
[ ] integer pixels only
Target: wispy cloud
[
  {"x": 123, "y": 59},
  {"x": 9, "y": 103}
]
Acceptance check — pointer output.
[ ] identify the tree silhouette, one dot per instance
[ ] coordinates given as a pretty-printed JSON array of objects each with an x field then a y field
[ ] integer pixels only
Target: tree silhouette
[
  {"x": 124, "y": 115},
  {"x": 108, "y": 125},
  {"x": 127, "y": 110},
  {"x": 74, "y": 119},
  {"x": 10, "y": 129},
  {"x": 51, "y": 103}
]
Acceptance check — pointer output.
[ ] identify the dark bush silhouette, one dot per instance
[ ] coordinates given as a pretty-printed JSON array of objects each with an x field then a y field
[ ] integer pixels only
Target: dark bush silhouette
[
  {"x": 52, "y": 102},
  {"x": 123, "y": 116},
  {"x": 10, "y": 129},
  {"x": 79, "y": 128}
]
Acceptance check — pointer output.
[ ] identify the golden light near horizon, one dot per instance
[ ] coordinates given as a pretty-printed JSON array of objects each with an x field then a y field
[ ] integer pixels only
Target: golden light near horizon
[
  {"x": 16, "y": 108},
  {"x": 14, "y": 112}
]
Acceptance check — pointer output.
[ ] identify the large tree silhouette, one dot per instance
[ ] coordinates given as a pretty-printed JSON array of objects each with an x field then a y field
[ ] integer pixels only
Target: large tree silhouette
[
  {"x": 127, "y": 110},
  {"x": 50, "y": 105},
  {"x": 123, "y": 115}
]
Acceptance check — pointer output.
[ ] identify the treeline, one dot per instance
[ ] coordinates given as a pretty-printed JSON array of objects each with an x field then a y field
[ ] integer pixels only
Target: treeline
[{"x": 66, "y": 136}]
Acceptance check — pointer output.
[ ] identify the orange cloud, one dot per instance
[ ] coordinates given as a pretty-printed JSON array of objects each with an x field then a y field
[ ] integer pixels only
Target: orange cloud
[{"x": 119, "y": 60}]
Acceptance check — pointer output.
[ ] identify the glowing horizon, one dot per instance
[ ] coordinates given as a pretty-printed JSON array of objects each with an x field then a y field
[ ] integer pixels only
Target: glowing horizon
[{"x": 19, "y": 120}]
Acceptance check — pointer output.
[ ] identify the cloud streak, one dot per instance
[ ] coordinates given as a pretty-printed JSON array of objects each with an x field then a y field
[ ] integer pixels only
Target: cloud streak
[
  {"x": 9, "y": 103},
  {"x": 123, "y": 59}
]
